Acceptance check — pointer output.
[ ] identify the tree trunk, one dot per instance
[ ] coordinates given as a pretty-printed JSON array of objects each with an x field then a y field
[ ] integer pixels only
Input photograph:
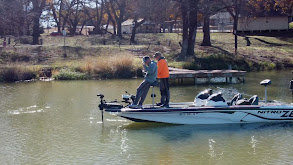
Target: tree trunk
[
  {"x": 133, "y": 32},
  {"x": 114, "y": 27},
  {"x": 119, "y": 29},
  {"x": 36, "y": 29},
  {"x": 206, "y": 30},
  {"x": 73, "y": 29},
  {"x": 236, "y": 24},
  {"x": 107, "y": 25},
  {"x": 184, "y": 44},
  {"x": 80, "y": 31},
  {"x": 57, "y": 21},
  {"x": 60, "y": 15},
  {"x": 192, "y": 27}
]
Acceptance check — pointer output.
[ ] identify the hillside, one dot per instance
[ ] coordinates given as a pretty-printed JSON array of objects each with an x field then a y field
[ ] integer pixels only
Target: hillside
[{"x": 82, "y": 53}]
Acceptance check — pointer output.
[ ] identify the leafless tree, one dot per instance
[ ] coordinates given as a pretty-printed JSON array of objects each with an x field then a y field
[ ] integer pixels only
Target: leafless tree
[
  {"x": 94, "y": 9},
  {"x": 118, "y": 10}
]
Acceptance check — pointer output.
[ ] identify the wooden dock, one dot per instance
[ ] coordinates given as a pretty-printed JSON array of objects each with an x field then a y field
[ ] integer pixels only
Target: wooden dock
[{"x": 227, "y": 76}]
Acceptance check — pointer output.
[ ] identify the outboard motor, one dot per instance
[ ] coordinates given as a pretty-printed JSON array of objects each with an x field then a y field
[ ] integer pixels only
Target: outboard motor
[
  {"x": 201, "y": 98},
  {"x": 216, "y": 100}
]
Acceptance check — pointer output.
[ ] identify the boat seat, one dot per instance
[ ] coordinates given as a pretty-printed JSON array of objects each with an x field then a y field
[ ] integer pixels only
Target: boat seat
[
  {"x": 205, "y": 94},
  {"x": 236, "y": 97},
  {"x": 243, "y": 102},
  {"x": 216, "y": 97},
  {"x": 253, "y": 100},
  {"x": 155, "y": 84}
]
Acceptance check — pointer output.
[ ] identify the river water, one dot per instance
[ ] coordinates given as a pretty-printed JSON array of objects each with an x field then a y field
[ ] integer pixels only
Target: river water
[{"x": 59, "y": 123}]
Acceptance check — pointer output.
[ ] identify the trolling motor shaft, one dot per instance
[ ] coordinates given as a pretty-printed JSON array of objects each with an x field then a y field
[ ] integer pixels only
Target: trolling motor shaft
[
  {"x": 265, "y": 83},
  {"x": 101, "y": 105}
]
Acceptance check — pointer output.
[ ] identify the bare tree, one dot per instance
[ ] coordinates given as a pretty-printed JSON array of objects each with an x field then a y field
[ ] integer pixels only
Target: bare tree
[
  {"x": 234, "y": 7},
  {"x": 156, "y": 11},
  {"x": 118, "y": 8},
  {"x": 57, "y": 8},
  {"x": 14, "y": 17},
  {"x": 75, "y": 16},
  {"x": 189, "y": 10},
  {"x": 95, "y": 14},
  {"x": 38, "y": 7}
]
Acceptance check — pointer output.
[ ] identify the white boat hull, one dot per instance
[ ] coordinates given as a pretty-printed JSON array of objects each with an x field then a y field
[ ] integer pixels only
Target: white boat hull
[{"x": 208, "y": 115}]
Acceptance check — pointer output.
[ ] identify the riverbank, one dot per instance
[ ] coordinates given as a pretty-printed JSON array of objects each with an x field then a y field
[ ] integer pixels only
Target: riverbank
[{"x": 105, "y": 57}]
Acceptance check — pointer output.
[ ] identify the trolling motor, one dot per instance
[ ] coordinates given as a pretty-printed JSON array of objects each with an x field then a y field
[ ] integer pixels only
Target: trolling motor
[
  {"x": 102, "y": 105},
  {"x": 265, "y": 83},
  {"x": 113, "y": 105}
]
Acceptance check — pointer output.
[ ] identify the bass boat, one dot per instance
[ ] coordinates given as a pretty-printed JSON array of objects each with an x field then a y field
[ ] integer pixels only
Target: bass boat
[{"x": 207, "y": 108}]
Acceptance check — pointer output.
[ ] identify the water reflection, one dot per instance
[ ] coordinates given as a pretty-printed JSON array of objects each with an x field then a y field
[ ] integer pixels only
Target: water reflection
[
  {"x": 218, "y": 143},
  {"x": 171, "y": 132}
]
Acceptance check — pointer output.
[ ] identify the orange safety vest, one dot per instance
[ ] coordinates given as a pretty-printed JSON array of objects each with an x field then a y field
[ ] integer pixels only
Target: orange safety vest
[{"x": 163, "y": 70}]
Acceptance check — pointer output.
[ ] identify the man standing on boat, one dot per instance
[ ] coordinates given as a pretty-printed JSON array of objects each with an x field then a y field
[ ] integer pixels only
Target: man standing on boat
[
  {"x": 163, "y": 76},
  {"x": 150, "y": 77}
]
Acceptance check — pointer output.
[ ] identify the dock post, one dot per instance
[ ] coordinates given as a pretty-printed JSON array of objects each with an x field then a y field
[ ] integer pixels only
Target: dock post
[
  {"x": 230, "y": 80},
  {"x": 195, "y": 81},
  {"x": 226, "y": 79},
  {"x": 209, "y": 80}
]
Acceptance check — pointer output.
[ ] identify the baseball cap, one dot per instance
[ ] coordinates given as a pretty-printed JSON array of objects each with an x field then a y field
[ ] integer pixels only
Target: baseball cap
[
  {"x": 157, "y": 54},
  {"x": 145, "y": 58}
]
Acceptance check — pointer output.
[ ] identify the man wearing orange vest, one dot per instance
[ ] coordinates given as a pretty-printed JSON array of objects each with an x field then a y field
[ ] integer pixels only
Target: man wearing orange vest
[{"x": 163, "y": 76}]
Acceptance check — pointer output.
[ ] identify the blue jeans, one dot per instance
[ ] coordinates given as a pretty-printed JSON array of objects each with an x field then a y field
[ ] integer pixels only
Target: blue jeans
[{"x": 142, "y": 92}]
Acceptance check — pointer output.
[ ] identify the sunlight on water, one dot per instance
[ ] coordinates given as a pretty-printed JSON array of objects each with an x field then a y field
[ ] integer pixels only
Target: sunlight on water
[{"x": 59, "y": 123}]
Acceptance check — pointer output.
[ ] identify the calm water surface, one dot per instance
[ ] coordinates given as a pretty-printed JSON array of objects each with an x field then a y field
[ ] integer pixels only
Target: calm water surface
[{"x": 59, "y": 123}]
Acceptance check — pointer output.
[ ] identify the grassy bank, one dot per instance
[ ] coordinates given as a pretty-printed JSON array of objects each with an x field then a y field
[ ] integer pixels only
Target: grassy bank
[
  {"x": 102, "y": 67},
  {"x": 104, "y": 57}
]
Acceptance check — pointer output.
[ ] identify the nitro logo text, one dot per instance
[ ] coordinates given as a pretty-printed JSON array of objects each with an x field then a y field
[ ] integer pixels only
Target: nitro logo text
[{"x": 283, "y": 113}]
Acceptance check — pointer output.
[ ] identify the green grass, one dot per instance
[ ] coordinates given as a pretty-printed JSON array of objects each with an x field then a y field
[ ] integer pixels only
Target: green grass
[
  {"x": 67, "y": 74},
  {"x": 18, "y": 72}
]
